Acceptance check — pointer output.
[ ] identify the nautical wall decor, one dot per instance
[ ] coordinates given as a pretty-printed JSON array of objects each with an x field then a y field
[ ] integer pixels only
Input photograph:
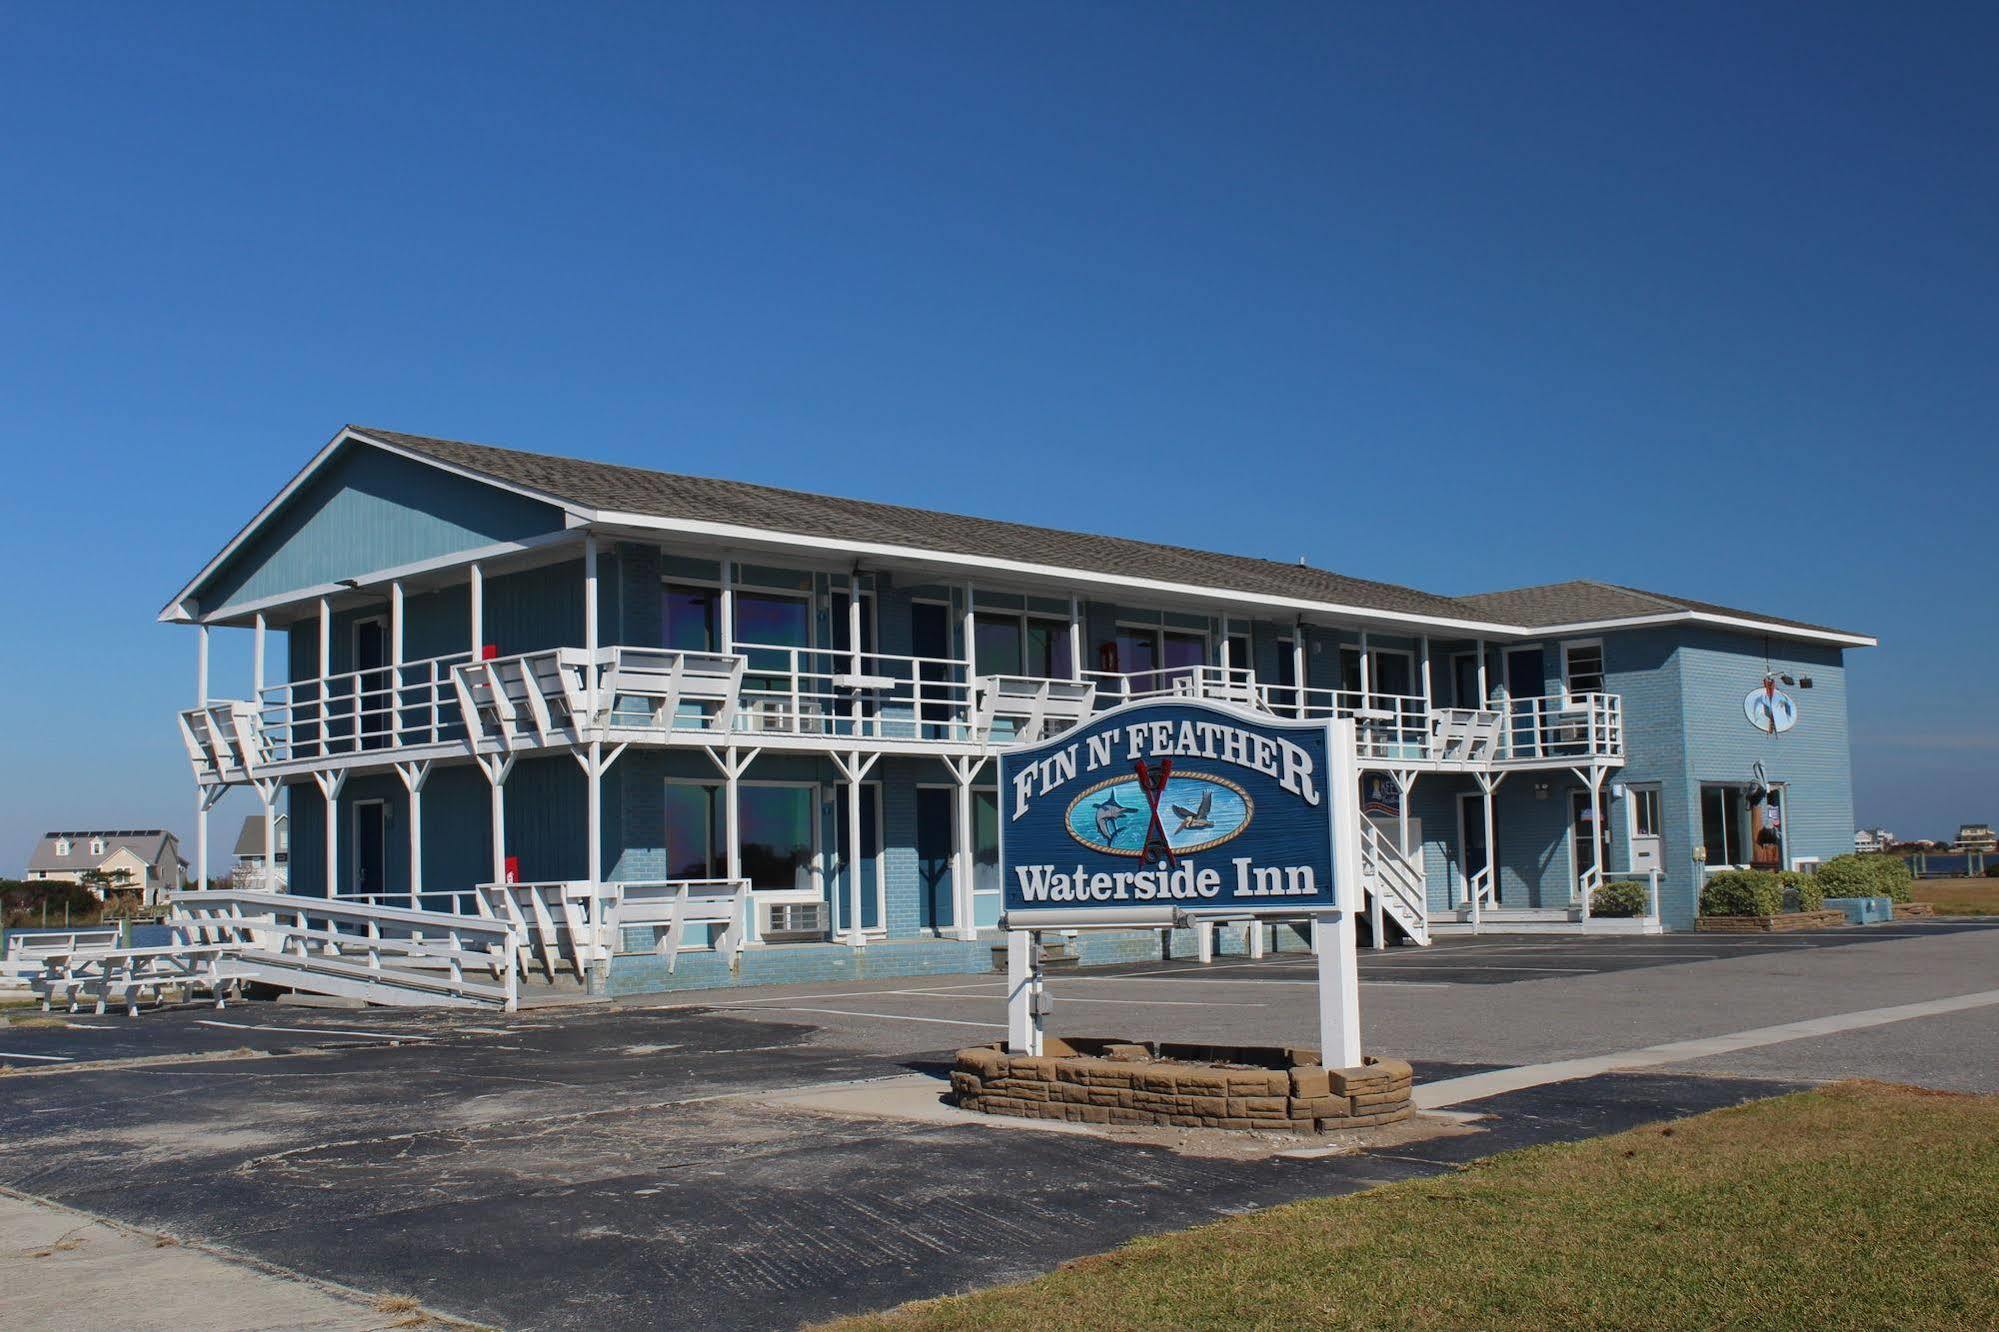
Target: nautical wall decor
[
  {"x": 1770, "y": 709},
  {"x": 1182, "y": 805}
]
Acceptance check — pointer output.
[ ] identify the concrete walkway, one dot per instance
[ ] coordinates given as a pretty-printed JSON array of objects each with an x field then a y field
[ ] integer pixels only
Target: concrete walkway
[{"x": 62, "y": 1268}]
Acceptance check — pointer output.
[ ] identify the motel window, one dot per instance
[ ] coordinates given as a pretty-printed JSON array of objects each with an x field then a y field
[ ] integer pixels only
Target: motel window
[
  {"x": 1742, "y": 826},
  {"x": 1583, "y": 667},
  {"x": 1021, "y": 645},
  {"x": 773, "y": 621},
  {"x": 778, "y": 846},
  {"x": 694, "y": 842},
  {"x": 691, "y": 618},
  {"x": 985, "y": 840},
  {"x": 1645, "y": 821},
  {"x": 1389, "y": 671}
]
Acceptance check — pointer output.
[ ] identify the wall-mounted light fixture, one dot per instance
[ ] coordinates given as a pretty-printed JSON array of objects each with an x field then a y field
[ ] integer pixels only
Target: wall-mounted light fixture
[{"x": 1540, "y": 790}]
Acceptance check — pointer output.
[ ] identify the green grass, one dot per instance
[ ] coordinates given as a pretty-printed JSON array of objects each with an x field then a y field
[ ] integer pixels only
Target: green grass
[
  {"x": 1960, "y": 897},
  {"x": 1856, "y": 1206}
]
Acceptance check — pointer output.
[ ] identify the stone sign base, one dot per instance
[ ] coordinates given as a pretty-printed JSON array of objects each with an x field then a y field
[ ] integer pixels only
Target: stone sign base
[{"x": 1098, "y": 1080}]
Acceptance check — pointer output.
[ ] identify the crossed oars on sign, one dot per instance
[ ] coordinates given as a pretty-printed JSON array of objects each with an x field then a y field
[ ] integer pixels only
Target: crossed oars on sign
[{"x": 1158, "y": 851}]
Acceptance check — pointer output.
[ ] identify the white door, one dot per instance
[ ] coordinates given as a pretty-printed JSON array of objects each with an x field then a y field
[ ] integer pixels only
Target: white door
[{"x": 1647, "y": 844}]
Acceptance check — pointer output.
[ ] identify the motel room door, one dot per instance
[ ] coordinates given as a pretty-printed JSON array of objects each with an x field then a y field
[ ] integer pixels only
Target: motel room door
[
  {"x": 1526, "y": 681},
  {"x": 1579, "y": 834},
  {"x": 1472, "y": 851},
  {"x": 371, "y": 848}
]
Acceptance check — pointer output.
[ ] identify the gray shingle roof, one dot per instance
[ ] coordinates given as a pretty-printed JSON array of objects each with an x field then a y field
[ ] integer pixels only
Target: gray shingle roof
[
  {"x": 1584, "y": 600},
  {"x": 637, "y": 490},
  {"x": 610, "y": 486},
  {"x": 149, "y": 844}
]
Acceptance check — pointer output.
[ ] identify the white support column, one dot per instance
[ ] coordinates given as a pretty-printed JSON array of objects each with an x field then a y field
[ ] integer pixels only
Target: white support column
[
  {"x": 964, "y": 772},
  {"x": 969, "y": 629},
  {"x": 395, "y": 698},
  {"x": 1484, "y": 692},
  {"x": 330, "y": 783},
  {"x": 733, "y": 763},
  {"x": 1023, "y": 986},
  {"x": 325, "y": 646},
  {"x": 854, "y": 648},
  {"x": 854, "y": 767},
  {"x": 1075, "y": 638},
  {"x": 1429, "y": 694},
  {"x": 1366, "y": 674},
  {"x": 414, "y": 776},
  {"x": 201, "y": 800},
  {"x": 257, "y": 670},
  {"x": 476, "y": 593},
  {"x": 593, "y": 770},
  {"x": 590, "y": 629},
  {"x": 1339, "y": 989},
  {"x": 1487, "y": 784},
  {"x": 497, "y": 768},
  {"x": 1298, "y": 665},
  {"x": 268, "y": 793},
  {"x": 727, "y": 629}
]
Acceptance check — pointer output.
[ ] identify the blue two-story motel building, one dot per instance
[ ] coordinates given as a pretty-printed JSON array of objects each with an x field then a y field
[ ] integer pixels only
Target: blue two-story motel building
[{"x": 650, "y": 717}]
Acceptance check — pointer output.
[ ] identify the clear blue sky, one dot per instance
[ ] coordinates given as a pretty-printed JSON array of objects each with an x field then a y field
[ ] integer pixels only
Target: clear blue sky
[{"x": 1699, "y": 298}]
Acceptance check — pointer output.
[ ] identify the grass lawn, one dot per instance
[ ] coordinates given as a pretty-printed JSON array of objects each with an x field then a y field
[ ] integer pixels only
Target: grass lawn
[
  {"x": 1960, "y": 897},
  {"x": 1859, "y": 1205}
]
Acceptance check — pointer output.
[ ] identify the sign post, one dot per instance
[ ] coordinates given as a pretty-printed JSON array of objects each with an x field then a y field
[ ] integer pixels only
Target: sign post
[{"x": 1168, "y": 813}]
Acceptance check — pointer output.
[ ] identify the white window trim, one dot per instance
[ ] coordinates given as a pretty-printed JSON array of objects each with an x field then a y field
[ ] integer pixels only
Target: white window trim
[
  {"x": 1632, "y": 791},
  {"x": 1603, "y": 664},
  {"x": 880, "y": 928}
]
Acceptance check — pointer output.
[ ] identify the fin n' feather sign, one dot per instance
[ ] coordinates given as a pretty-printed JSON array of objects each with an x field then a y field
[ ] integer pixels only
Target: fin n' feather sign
[{"x": 1184, "y": 805}]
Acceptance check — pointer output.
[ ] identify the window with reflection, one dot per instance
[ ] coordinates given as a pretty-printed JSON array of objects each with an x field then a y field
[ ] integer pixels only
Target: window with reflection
[
  {"x": 690, "y": 618},
  {"x": 777, "y": 842},
  {"x": 694, "y": 845}
]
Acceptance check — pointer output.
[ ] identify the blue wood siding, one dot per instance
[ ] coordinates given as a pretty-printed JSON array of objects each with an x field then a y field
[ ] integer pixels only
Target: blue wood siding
[{"x": 368, "y": 510}]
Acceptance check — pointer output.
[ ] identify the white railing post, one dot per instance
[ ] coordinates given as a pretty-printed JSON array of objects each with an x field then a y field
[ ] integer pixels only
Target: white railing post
[{"x": 1652, "y": 895}]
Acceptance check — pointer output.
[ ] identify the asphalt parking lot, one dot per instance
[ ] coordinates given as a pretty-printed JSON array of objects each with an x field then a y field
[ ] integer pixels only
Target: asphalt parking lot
[{"x": 660, "y": 1163}]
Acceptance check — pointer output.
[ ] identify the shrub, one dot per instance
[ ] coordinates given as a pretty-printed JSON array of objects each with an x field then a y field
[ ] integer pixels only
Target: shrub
[
  {"x": 1623, "y": 898},
  {"x": 1742, "y": 893},
  {"x": 1891, "y": 877},
  {"x": 1867, "y": 876},
  {"x": 1801, "y": 891},
  {"x": 1992, "y": 871}
]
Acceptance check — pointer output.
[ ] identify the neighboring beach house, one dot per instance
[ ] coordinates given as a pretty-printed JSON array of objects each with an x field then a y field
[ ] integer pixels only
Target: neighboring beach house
[
  {"x": 254, "y": 868},
  {"x": 488, "y": 680},
  {"x": 150, "y": 856}
]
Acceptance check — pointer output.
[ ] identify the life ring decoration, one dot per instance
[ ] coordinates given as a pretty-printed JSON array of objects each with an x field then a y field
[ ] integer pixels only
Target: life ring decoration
[{"x": 1769, "y": 709}]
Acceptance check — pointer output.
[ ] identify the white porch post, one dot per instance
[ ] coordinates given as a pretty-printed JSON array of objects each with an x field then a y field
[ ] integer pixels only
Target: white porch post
[
  {"x": 1366, "y": 674},
  {"x": 414, "y": 775},
  {"x": 1484, "y": 692},
  {"x": 201, "y": 801},
  {"x": 854, "y": 767},
  {"x": 964, "y": 771},
  {"x": 395, "y": 663},
  {"x": 590, "y": 636},
  {"x": 1075, "y": 638},
  {"x": 330, "y": 783},
  {"x": 497, "y": 768},
  {"x": 1429, "y": 698},
  {"x": 268, "y": 792},
  {"x": 733, "y": 763},
  {"x": 969, "y": 627},
  {"x": 593, "y": 769},
  {"x": 325, "y": 646},
  {"x": 257, "y": 659},
  {"x": 1298, "y": 666},
  {"x": 476, "y": 593},
  {"x": 727, "y": 629},
  {"x": 854, "y": 648}
]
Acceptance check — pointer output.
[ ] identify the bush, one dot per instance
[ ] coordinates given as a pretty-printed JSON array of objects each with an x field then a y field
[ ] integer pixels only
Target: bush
[
  {"x": 1623, "y": 898},
  {"x": 1992, "y": 871},
  {"x": 1867, "y": 876},
  {"x": 1801, "y": 891},
  {"x": 1892, "y": 877},
  {"x": 1742, "y": 893}
]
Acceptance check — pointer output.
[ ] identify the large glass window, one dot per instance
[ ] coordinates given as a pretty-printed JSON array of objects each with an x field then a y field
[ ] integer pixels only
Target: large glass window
[
  {"x": 776, "y": 621},
  {"x": 985, "y": 841},
  {"x": 1137, "y": 650},
  {"x": 1020, "y": 645},
  {"x": 690, "y": 618},
  {"x": 777, "y": 836},
  {"x": 694, "y": 843},
  {"x": 1388, "y": 671},
  {"x": 1742, "y": 825}
]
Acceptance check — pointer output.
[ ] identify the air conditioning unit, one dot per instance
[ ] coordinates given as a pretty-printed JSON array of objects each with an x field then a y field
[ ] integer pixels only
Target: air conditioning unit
[{"x": 793, "y": 922}]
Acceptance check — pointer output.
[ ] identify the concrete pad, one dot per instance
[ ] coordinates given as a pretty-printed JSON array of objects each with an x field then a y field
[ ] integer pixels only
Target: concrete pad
[{"x": 63, "y": 1268}]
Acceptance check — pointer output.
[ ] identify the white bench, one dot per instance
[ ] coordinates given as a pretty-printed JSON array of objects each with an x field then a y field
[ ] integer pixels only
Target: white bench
[
  {"x": 666, "y": 681},
  {"x": 1036, "y": 707},
  {"x": 1465, "y": 734},
  {"x": 679, "y": 904}
]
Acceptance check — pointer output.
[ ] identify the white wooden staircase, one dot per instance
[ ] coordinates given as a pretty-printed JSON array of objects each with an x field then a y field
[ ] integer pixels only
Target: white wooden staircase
[{"x": 1395, "y": 881}]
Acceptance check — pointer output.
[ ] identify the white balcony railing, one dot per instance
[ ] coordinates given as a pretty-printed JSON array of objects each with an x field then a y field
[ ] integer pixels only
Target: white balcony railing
[{"x": 564, "y": 695}]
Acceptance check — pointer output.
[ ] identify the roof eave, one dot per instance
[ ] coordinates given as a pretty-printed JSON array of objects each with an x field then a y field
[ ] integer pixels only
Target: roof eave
[{"x": 1750, "y": 623}]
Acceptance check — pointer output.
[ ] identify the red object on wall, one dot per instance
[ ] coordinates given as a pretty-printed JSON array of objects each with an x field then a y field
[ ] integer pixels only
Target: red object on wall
[
  {"x": 513, "y": 869},
  {"x": 488, "y": 651}
]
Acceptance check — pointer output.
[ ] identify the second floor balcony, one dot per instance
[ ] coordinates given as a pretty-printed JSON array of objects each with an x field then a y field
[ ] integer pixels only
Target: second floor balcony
[{"x": 820, "y": 699}]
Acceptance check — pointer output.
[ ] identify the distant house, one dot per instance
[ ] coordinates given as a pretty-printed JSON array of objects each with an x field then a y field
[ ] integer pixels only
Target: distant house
[
  {"x": 1975, "y": 837},
  {"x": 250, "y": 870},
  {"x": 150, "y": 856},
  {"x": 1873, "y": 839}
]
